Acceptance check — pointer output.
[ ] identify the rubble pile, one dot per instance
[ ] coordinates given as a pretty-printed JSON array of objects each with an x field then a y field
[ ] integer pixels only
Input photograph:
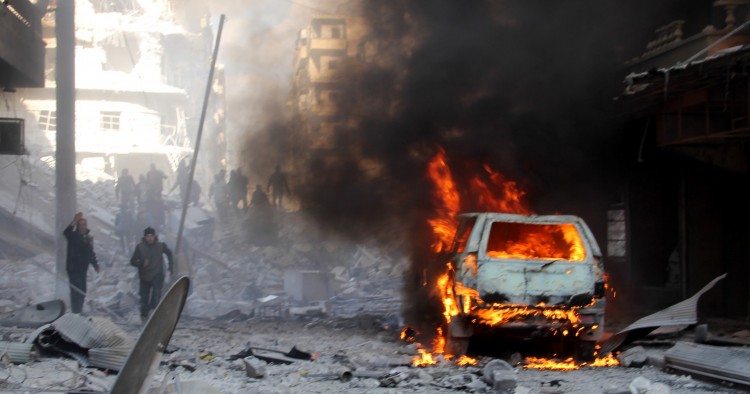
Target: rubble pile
[{"x": 230, "y": 273}]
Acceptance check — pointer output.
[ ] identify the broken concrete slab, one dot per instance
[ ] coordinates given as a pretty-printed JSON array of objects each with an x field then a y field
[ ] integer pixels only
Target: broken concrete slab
[
  {"x": 729, "y": 364},
  {"x": 634, "y": 357},
  {"x": 254, "y": 368}
]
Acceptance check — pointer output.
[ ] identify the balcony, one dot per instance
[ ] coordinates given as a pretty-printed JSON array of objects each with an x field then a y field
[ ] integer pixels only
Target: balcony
[{"x": 328, "y": 46}]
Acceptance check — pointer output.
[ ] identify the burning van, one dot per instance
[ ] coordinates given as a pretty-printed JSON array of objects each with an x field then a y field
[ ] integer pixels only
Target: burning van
[{"x": 527, "y": 276}]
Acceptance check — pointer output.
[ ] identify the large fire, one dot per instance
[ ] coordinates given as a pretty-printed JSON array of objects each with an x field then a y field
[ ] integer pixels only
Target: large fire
[{"x": 491, "y": 192}]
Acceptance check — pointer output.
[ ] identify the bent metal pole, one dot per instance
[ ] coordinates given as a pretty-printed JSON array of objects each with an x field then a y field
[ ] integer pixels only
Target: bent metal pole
[{"x": 185, "y": 199}]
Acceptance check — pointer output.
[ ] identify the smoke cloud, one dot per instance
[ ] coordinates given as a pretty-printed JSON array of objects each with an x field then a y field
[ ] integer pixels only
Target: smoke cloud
[{"x": 525, "y": 87}]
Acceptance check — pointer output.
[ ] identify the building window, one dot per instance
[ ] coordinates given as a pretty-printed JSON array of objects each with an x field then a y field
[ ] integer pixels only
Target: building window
[
  {"x": 47, "y": 120},
  {"x": 333, "y": 64},
  {"x": 335, "y": 32},
  {"x": 109, "y": 121},
  {"x": 616, "y": 234}
]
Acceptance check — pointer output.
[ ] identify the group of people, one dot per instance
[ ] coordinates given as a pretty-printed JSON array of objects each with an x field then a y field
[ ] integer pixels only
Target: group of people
[
  {"x": 148, "y": 257},
  {"x": 141, "y": 204},
  {"x": 230, "y": 196}
]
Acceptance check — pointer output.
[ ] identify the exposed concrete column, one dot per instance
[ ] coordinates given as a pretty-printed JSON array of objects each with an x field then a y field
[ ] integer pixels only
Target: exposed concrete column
[{"x": 65, "y": 170}]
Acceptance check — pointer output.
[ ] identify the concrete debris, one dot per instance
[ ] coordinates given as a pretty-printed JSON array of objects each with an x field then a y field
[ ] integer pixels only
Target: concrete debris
[
  {"x": 254, "y": 368},
  {"x": 634, "y": 357},
  {"x": 499, "y": 375},
  {"x": 728, "y": 364},
  {"x": 702, "y": 335},
  {"x": 641, "y": 385}
]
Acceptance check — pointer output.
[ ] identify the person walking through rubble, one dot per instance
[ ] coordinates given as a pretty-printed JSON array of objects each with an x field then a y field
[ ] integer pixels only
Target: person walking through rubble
[
  {"x": 218, "y": 194},
  {"x": 148, "y": 257},
  {"x": 80, "y": 255},
  {"x": 155, "y": 181},
  {"x": 125, "y": 189},
  {"x": 278, "y": 186}
]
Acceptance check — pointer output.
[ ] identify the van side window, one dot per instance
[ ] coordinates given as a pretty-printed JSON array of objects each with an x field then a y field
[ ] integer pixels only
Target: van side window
[{"x": 462, "y": 235}]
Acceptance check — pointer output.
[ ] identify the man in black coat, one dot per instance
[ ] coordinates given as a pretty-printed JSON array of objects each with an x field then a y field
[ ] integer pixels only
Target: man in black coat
[
  {"x": 149, "y": 258},
  {"x": 80, "y": 255}
]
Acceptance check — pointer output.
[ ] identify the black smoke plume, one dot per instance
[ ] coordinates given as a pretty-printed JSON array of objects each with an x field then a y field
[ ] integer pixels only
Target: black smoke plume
[{"x": 523, "y": 86}]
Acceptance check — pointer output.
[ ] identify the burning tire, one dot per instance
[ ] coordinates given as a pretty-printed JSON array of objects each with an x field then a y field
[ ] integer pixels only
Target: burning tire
[
  {"x": 456, "y": 346},
  {"x": 586, "y": 350},
  {"x": 458, "y": 336}
]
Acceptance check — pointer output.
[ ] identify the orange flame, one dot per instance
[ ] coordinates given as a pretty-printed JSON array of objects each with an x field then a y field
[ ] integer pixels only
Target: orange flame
[
  {"x": 425, "y": 358},
  {"x": 466, "y": 360},
  {"x": 448, "y": 202},
  {"x": 568, "y": 364},
  {"x": 490, "y": 192}
]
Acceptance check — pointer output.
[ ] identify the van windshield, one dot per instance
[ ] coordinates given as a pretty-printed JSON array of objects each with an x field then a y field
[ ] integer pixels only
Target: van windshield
[{"x": 535, "y": 241}]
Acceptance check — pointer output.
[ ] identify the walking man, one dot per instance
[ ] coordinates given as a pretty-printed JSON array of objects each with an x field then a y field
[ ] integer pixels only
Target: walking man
[
  {"x": 278, "y": 186},
  {"x": 125, "y": 189},
  {"x": 80, "y": 255},
  {"x": 149, "y": 258}
]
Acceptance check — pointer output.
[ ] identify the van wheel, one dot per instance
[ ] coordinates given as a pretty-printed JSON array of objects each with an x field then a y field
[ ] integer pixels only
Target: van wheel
[
  {"x": 456, "y": 346},
  {"x": 586, "y": 350}
]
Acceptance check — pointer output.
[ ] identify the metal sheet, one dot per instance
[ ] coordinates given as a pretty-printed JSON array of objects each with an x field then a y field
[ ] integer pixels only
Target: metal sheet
[
  {"x": 153, "y": 340},
  {"x": 112, "y": 358},
  {"x": 683, "y": 313},
  {"x": 91, "y": 332},
  {"x": 19, "y": 352},
  {"x": 36, "y": 315}
]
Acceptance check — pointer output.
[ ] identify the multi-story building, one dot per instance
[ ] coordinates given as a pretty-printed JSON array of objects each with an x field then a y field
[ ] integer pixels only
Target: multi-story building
[
  {"x": 140, "y": 74},
  {"x": 327, "y": 47}
]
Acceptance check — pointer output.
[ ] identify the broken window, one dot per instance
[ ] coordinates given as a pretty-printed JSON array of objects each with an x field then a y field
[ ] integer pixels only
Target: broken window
[
  {"x": 47, "y": 120},
  {"x": 109, "y": 121},
  {"x": 535, "y": 241}
]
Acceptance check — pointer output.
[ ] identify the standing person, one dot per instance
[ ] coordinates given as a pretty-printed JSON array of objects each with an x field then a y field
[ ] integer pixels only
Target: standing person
[
  {"x": 79, "y": 256},
  {"x": 259, "y": 198},
  {"x": 278, "y": 186},
  {"x": 183, "y": 171},
  {"x": 125, "y": 188},
  {"x": 232, "y": 187},
  {"x": 218, "y": 193},
  {"x": 242, "y": 182},
  {"x": 149, "y": 258},
  {"x": 141, "y": 191},
  {"x": 124, "y": 226},
  {"x": 155, "y": 181}
]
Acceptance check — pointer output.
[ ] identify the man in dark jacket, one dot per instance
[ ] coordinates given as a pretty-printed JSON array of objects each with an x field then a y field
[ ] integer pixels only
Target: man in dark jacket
[
  {"x": 80, "y": 255},
  {"x": 149, "y": 258}
]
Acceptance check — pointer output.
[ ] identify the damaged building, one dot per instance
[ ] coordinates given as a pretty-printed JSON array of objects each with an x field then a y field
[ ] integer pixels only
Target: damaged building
[
  {"x": 683, "y": 215},
  {"x": 138, "y": 88}
]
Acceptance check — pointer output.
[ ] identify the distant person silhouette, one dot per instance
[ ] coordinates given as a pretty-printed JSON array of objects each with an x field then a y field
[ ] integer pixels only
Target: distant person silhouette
[{"x": 278, "y": 187}]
